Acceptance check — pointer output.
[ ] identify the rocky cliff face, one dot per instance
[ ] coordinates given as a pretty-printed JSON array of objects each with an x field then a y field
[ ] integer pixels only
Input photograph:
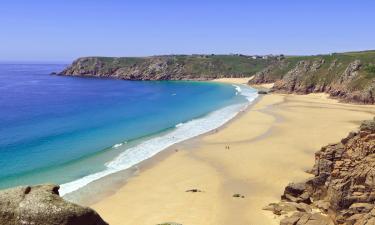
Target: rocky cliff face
[
  {"x": 347, "y": 76},
  {"x": 141, "y": 69},
  {"x": 42, "y": 205},
  {"x": 172, "y": 67},
  {"x": 343, "y": 186}
]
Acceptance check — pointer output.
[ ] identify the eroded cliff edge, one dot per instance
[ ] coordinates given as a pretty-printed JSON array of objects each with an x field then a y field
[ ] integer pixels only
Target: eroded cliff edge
[
  {"x": 349, "y": 77},
  {"x": 342, "y": 190},
  {"x": 169, "y": 67}
]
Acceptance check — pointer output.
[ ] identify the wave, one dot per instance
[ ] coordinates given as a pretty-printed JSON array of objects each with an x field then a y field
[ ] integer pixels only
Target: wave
[
  {"x": 238, "y": 89},
  {"x": 249, "y": 93},
  {"x": 179, "y": 124},
  {"x": 117, "y": 145},
  {"x": 151, "y": 147}
]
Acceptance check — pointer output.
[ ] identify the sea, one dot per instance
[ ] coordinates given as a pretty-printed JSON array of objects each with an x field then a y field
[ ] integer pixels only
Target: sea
[{"x": 73, "y": 131}]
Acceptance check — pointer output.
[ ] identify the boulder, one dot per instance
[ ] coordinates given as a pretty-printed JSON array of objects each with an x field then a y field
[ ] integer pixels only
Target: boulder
[
  {"x": 42, "y": 205},
  {"x": 261, "y": 92},
  {"x": 169, "y": 223},
  {"x": 295, "y": 189},
  {"x": 282, "y": 208},
  {"x": 238, "y": 196},
  {"x": 300, "y": 218},
  {"x": 193, "y": 190}
]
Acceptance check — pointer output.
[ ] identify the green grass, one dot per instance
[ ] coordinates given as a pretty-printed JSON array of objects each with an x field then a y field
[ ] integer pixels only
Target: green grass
[
  {"x": 195, "y": 65},
  {"x": 370, "y": 68},
  {"x": 328, "y": 73},
  {"x": 213, "y": 66}
]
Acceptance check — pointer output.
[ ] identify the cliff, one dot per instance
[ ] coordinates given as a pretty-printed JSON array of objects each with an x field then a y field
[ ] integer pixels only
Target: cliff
[
  {"x": 343, "y": 186},
  {"x": 42, "y": 205},
  {"x": 170, "y": 67},
  {"x": 347, "y": 76}
]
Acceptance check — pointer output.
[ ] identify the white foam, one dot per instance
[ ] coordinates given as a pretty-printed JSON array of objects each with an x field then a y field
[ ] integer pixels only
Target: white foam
[
  {"x": 149, "y": 148},
  {"x": 238, "y": 89},
  {"x": 117, "y": 145},
  {"x": 179, "y": 125},
  {"x": 247, "y": 92}
]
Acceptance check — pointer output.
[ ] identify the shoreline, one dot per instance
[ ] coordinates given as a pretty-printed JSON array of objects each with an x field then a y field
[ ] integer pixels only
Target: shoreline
[
  {"x": 86, "y": 196},
  {"x": 202, "y": 162}
]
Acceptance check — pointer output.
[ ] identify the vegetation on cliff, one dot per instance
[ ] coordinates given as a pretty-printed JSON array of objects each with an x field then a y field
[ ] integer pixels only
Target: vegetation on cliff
[
  {"x": 170, "y": 67},
  {"x": 348, "y": 76}
]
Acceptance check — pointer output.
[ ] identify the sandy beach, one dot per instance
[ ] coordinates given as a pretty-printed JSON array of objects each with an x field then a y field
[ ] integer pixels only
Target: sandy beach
[
  {"x": 270, "y": 144},
  {"x": 234, "y": 80}
]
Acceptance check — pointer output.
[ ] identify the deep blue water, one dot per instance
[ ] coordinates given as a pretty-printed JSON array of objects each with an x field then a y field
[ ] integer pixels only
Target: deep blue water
[{"x": 59, "y": 129}]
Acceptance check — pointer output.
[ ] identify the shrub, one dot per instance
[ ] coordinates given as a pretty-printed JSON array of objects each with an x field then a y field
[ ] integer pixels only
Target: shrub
[{"x": 370, "y": 68}]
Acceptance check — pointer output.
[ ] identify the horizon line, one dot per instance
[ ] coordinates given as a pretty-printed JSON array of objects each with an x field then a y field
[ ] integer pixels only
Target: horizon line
[{"x": 63, "y": 61}]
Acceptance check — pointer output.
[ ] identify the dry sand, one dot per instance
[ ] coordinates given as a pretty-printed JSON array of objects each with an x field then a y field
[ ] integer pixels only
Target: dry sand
[
  {"x": 270, "y": 144},
  {"x": 242, "y": 80}
]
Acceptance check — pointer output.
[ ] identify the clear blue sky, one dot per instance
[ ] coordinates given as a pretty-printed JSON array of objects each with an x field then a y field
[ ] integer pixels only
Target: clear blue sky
[{"x": 41, "y": 30}]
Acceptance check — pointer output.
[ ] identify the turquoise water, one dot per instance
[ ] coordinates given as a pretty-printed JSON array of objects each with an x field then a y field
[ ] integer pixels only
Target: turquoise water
[{"x": 70, "y": 129}]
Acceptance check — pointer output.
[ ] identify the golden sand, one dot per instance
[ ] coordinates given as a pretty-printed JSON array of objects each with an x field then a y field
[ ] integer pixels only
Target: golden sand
[
  {"x": 270, "y": 145},
  {"x": 242, "y": 80}
]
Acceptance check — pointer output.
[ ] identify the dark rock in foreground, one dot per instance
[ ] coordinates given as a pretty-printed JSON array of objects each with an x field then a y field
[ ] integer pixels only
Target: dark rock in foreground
[
  {"x": 193, "y": 190},
  {"x": 343, "y": 186},
  {"x": 42, "y": 205},
  {"x": 170, "y": 223},
  {"x": 238, "y": 196},
  {"x": 262, "y": 92}
]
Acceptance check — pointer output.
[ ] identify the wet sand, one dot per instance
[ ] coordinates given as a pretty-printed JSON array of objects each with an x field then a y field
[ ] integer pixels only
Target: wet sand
[{"x": 270, "y": 144}]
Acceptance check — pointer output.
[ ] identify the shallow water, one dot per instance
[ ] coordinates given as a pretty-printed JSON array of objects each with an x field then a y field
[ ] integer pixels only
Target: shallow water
[{"x": 71, "y": 130}]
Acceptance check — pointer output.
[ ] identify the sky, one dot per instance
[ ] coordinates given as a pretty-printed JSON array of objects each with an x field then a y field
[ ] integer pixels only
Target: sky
[{"x": 62, "y": 30}]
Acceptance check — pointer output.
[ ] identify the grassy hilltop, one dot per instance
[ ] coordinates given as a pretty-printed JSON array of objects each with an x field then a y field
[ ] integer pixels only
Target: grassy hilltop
[
  {"x": 349, "y": 76},
  {"x": 169, "y": 67}
]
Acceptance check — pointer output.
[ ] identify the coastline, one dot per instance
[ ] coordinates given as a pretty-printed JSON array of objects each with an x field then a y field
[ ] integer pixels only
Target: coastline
[
  {"x": 158, "y": 186},
  {"x": 94, "y": 191}
]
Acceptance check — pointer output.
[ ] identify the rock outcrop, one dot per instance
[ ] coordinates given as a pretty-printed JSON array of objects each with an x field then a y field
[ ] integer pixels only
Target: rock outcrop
[
  {"x": 292, "y": 81},
  {"x": 308, "y": 76},
  {"x": 42, "y": 205},
  {"x": 342, "y": 190},
  {"x": 349, "y": 77},
  {"x": 271, "y": 73},
  {"x": 170, "y": 67}
]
